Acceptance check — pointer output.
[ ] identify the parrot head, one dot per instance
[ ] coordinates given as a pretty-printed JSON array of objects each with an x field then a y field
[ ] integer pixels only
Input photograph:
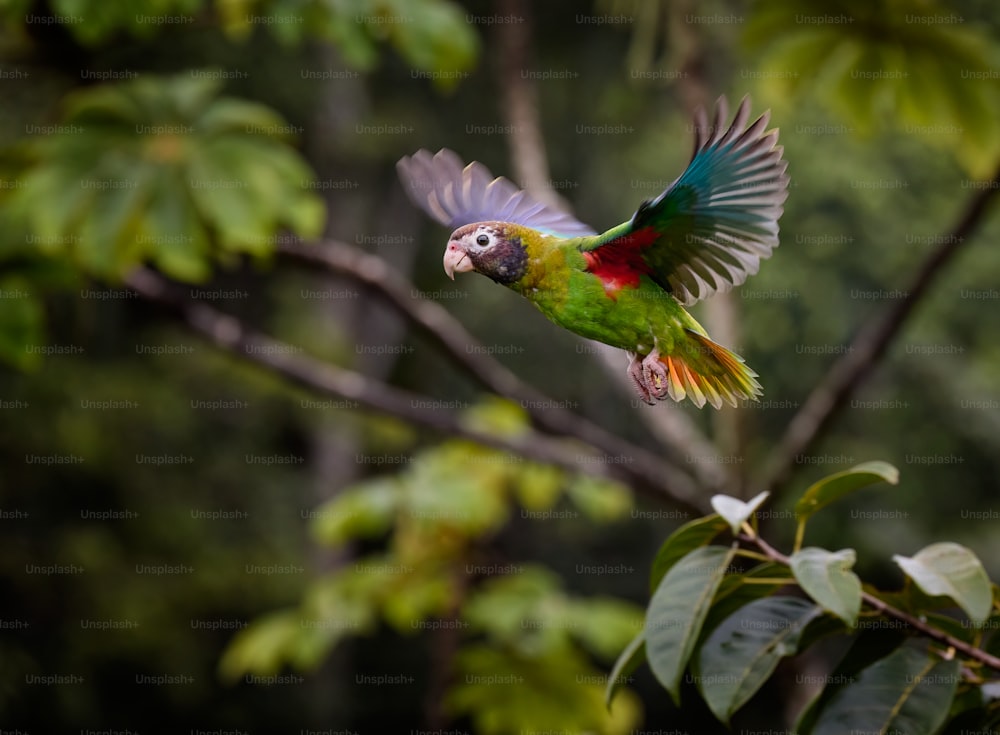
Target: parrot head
[{"x": 491, "y": 248}]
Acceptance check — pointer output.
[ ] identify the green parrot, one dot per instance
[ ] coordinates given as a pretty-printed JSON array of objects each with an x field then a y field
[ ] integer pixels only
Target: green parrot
[{"x": 628, "y": 287}]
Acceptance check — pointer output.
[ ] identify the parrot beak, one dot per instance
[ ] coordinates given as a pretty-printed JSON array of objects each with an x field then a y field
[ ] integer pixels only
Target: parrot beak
[{"x": 456, "y": 260}]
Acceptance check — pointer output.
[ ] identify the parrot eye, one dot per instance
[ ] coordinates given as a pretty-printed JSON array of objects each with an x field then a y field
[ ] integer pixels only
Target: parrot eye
[{"x": 483, "y": 240}]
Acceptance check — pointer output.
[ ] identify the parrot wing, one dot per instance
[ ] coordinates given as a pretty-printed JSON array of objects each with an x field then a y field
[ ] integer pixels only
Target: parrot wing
[
  {"x": 456, "y": 195},
  {"x": 709, "y": 230}
]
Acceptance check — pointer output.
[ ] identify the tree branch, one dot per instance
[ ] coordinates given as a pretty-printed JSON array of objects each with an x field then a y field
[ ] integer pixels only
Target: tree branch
[
  {"x": 849, "y": 371},
  {"x": 448, "y": 334},
  {"x": 229, "y": 333}
]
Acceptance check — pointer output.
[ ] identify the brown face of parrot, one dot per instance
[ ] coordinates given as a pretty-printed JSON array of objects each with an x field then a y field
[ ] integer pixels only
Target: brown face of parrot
[{"x": 485, "y": 248}]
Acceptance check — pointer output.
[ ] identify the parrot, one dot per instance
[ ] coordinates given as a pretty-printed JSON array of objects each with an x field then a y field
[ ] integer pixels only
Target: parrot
[{"x": 627, "y": 287}]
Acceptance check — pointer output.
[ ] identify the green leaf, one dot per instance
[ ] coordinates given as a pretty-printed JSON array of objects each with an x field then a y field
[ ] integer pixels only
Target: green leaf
[
  {"x": 221, "y": 195},
  {"x": 230, "y": 115},
  {"x": 824, "y": 626},
  {"x": 365, "y": 511},
  {"x": 502, "y": 691},
  {"x": 742, "y": 653},
  {"x": 435, "y": 39},
  {"x": 738, "y": 590},
  {"x": 537, "y": 486},
  {"x": 869, "y": 646},
  {"x": 438, "y": 488},
  {"x": 107, "y": 234},
  {"x": 262, "y": 648},
  {"x": 497, "y": 416},
  {"x": 836, "y": 486},
  {"x": 627, "y": 662},
  {"x": 826, "y": 576},
  {"x": 334, "y": 608},
  {"x": 103, "y": 104},
  {"x": 678, "y": 609},
  {"x": 690, "y": 536},
  {"x": 416, "y": 594},
  {"x": 735, "y": 511},
  {"x": 351, "y": 38},
  {"x": 174, "y": 238},
  {"x": 341, "y": 605},
  {"x": 527, "y": 605},
  {"x": 952, "y": 570},
  {"x": 908, "y": 692},
  {"x": 58, "y": 186},
  {"x": 968, "y": 715},
  {"x": 599, "y": 499},
  {"x": 305, "y": 215}
]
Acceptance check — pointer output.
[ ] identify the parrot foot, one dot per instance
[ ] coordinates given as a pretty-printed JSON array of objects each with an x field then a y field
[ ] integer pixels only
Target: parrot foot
[
  {"x": 649, "y": 376},
  {"x": 635, "y": 372},
  {"x": 655, "y": 375}
]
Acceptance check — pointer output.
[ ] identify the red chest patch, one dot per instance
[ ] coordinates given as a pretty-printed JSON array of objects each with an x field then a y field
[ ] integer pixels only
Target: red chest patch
[{"x": 619, "y": 263}]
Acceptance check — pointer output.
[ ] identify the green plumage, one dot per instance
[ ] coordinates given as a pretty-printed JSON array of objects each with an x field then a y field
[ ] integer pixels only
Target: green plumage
[{"x": 558, "y": 283}]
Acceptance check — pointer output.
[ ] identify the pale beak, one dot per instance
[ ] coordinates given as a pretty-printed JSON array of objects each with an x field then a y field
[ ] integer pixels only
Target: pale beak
[{"x": 456, "y": 260}]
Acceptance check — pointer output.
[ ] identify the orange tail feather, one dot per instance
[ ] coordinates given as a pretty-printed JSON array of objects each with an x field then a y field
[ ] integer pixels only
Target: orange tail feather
[{"x": 704, "y": 371}]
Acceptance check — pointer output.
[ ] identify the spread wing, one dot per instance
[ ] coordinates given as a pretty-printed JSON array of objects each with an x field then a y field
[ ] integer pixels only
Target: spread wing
[
  {"x": 456, "y": 195},
  {"x": 709, "y": 230}
]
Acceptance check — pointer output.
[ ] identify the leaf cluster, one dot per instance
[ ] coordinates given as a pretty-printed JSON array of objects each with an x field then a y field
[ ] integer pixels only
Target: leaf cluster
[{"x": 729, "y": 627}]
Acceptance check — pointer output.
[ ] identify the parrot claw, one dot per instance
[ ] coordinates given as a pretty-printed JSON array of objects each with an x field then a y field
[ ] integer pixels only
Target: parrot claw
[
  {"x": 655, "y": 375},
  {"x": 637, "y": 372}
]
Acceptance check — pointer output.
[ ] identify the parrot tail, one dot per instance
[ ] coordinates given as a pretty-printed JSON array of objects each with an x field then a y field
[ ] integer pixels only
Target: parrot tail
[{"x": 704, "y": 371}]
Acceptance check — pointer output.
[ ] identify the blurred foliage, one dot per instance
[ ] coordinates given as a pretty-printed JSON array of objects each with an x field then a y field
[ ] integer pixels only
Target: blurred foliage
[
  {"x": 525, "y": 642},
  {"x": 161, "y": 170},
  {"x": 430, "y": 34},
  {"x": 892, "y": 64}
]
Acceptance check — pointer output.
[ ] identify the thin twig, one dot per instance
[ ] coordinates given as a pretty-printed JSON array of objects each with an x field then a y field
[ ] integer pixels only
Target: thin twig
[
  {"x": 891, "y": 611},
  {"x": 229, "y": 333},
  {"x": 969, "y": 650},
  {"x": 830, "y": 396}
]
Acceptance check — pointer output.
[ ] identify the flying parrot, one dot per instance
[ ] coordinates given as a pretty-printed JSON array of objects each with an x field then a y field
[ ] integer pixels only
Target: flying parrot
[{"x": 627, "y": 287}]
